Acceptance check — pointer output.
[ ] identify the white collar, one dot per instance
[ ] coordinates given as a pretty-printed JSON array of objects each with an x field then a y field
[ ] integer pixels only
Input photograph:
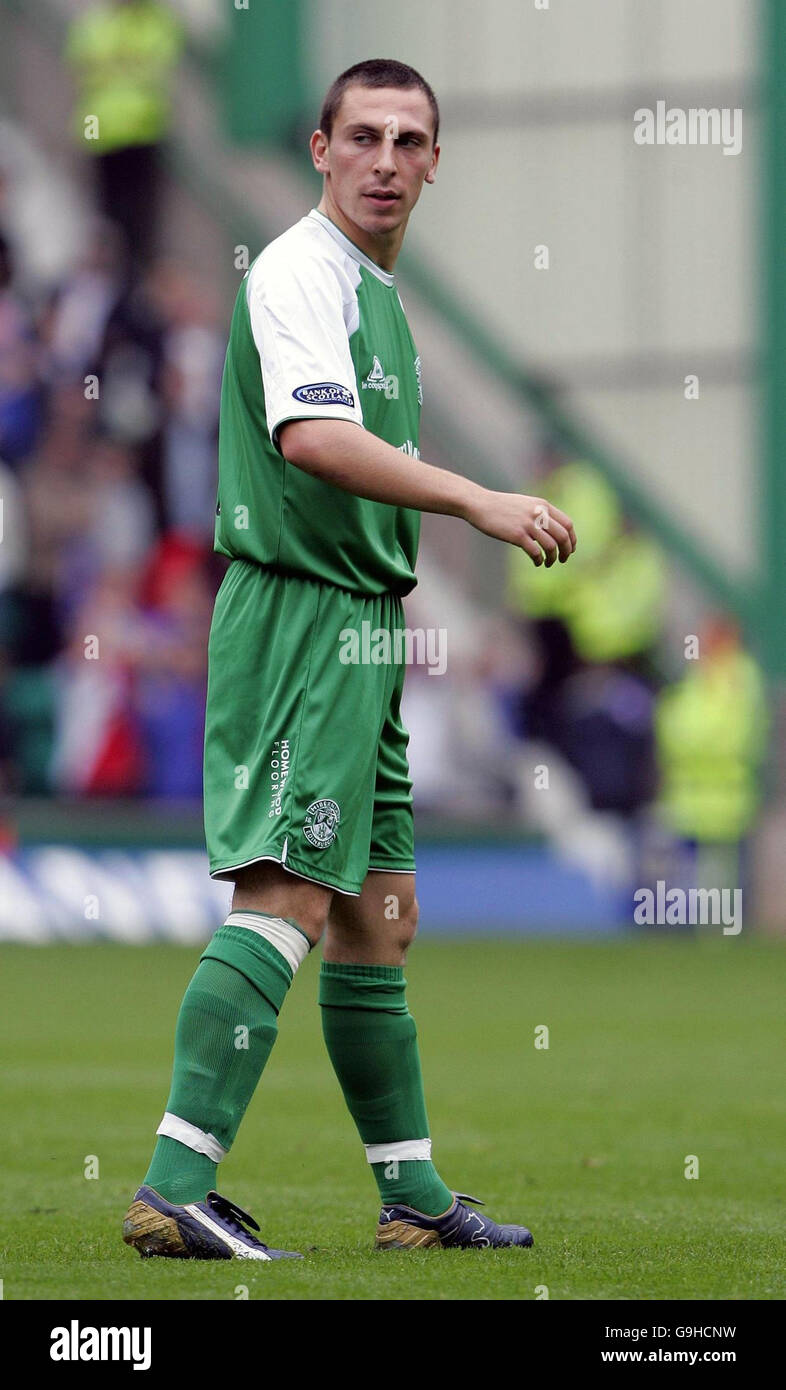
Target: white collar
[{"x": 386, "y": 276}]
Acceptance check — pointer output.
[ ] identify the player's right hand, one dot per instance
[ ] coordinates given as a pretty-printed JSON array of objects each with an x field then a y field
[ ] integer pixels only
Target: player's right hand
[{"x": 532, "y": 523}]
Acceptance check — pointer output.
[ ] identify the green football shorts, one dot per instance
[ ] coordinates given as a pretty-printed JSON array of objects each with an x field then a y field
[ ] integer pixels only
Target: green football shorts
[{"x": 305, "y": 751}]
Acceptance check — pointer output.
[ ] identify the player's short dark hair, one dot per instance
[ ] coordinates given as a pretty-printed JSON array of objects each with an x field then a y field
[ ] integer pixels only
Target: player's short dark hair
[{"x": 375, "y": 72}]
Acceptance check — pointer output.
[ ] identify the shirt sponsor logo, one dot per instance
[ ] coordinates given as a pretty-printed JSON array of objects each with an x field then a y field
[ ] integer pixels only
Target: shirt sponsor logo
[
  {"x": 324, "y": 393},
  {"x": 376, "y": 379},
  {"x": 279, "y": 771},
  {"x": 419, "y": 375},
  {"x": 321, "y": 823}
]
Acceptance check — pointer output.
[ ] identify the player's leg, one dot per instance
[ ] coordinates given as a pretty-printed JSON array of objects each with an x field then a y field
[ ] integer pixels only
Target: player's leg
[
  {"x": 226, "y": 1027},
  {"x": 370, "y": 1034},
  {"x": 258, "y": 737},
  {"x": 371, "y": 1037},
  {"x": 228, "y": 1023},
  {"x": 260, "y": 642},
  {"x": 372, "y": 1042},
  {"x": 290, "y": 758}
]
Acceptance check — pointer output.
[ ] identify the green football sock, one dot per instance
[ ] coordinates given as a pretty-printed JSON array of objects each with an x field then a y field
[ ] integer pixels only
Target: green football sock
[
  {"x": 372, "y": 1043},
  {"x": 225, "y": 1032},
  {"x": 180, "y": 1174}
]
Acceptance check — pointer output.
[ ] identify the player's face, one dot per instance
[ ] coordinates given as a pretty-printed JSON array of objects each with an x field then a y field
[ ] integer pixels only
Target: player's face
[{"x": 379, "y": 155}]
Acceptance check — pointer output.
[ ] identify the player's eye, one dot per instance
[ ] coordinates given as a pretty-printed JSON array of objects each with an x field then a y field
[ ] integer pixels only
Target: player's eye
[{"x": 359, "y": 139}]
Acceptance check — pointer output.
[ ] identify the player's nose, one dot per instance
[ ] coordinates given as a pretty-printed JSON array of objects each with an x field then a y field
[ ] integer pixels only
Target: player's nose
[{"x": 385, "y": 162}]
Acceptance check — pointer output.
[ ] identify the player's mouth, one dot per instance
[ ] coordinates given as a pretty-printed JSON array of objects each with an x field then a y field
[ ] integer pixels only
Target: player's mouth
[{"x": 382, "y": 196}]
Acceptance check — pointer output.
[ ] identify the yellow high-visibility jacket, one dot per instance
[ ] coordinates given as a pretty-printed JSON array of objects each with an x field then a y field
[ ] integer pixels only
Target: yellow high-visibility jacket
[
  {"x": 122, "y": 57},
  {"x": 711, "y": 729}
]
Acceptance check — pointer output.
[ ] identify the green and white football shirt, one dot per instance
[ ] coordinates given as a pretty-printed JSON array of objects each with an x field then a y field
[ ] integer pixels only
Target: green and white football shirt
[{"x": 318, "y": 331}]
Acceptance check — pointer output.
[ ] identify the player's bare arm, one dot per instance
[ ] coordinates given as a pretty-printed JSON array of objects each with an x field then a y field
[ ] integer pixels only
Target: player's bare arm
[{"x": 357, "y": 461}]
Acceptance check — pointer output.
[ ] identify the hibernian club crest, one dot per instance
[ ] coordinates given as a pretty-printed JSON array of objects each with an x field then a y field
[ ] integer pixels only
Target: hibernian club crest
[{"x": 321, "y": 823}]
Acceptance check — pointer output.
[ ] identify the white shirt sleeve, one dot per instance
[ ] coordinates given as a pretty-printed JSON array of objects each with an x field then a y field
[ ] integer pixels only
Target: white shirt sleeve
[{"x": 297, "y": 320}]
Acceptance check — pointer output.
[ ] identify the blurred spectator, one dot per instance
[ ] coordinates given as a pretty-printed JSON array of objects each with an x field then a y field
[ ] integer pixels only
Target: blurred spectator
[
  {"x": 131, "y": 406},
  {"x": 170, "y": 692},
  {"x": 123, "y": 54},
  {"x": 131, "y": 363},
  {"x": 98, "y": 747},
  {"x": 609, "y": 599},
  {"x": 20, "y": 394},
  {"x": 77, "y": 320},
  {"x": 58, "y": 503},
  {"x": 711, "y": 729},
  {"x": 13, "y": 530},
  {"x": 193, "y": 360},
  {"x": 596, "y": 623},
  {"x": 122, "y": 523},
  {"x": 131, "y": 685},
  {"x": 604, "y": 719},
  {"x": 13, "y": 558}
]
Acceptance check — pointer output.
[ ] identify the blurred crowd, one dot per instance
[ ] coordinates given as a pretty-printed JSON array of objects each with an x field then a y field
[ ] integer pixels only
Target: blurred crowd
[
  {"x": 109, "y": 402},
  {"x": 650, "y": 719},
  {"x": 649, "y": 739},
  {"x": 109, "y": 398},
  {"x": 109, "y": 395}
]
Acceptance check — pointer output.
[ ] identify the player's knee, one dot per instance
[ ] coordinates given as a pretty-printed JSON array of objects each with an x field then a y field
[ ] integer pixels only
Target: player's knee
[
  {"x": 408, "y": 924},
  {"x": 313, "y": 922},
  {"x": 266, "y": 888}
]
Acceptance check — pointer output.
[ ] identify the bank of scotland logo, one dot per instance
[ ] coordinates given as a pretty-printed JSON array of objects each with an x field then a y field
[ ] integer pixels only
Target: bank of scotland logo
[
  {"x": 324, "y": 393},
  {"x": 419, "y": 375},
  {"x": 321, "y": 823}
]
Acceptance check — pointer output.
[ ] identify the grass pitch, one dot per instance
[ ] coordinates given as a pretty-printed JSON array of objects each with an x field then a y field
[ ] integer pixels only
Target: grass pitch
[{"x": 658, "y": 1049}]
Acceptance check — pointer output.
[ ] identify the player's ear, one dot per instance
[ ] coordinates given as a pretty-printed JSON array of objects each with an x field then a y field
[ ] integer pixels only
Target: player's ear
[
  {"x": 431, "y": 175},
  {"x": 318, "y": 144}
]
